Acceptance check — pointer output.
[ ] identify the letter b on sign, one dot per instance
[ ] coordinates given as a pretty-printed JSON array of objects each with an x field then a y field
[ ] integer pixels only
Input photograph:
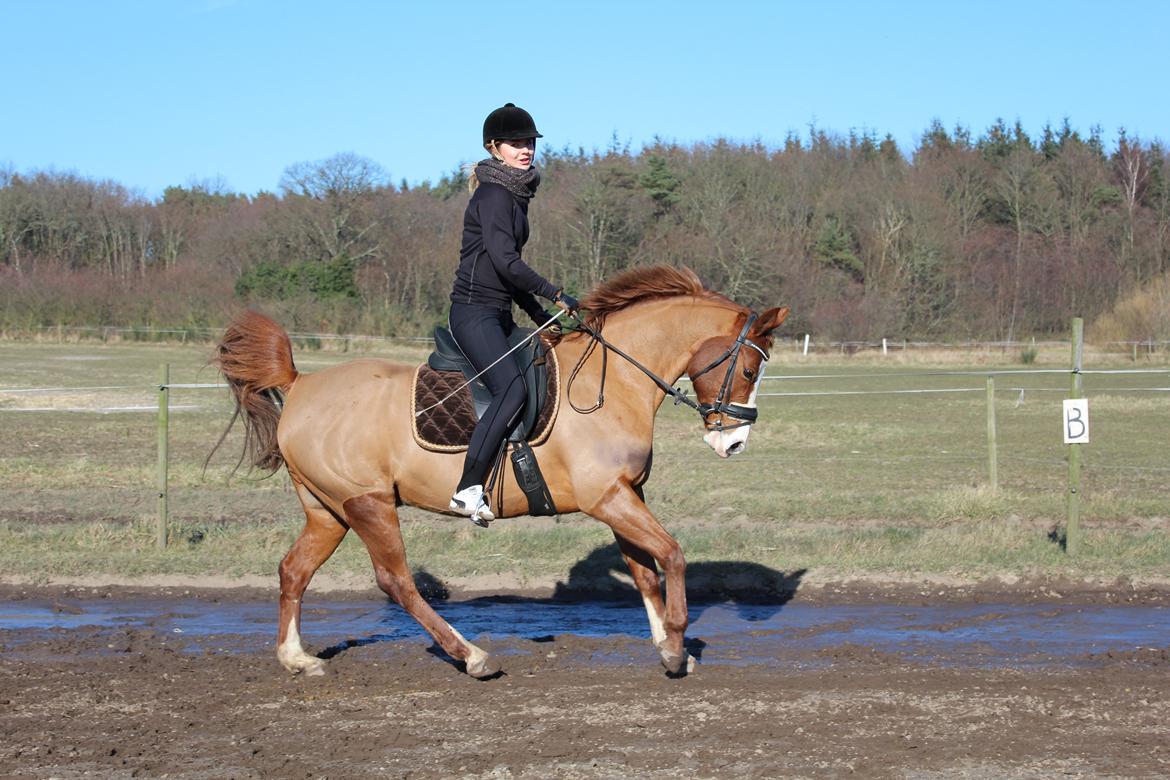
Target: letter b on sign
[{"x": 1076, "y": 421}]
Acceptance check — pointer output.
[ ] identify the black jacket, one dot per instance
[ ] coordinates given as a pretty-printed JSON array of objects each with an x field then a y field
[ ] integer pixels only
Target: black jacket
[{"x": 491, "y": 272}]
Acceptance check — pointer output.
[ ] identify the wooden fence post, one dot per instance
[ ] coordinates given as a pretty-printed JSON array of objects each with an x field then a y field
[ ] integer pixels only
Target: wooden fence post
[
  {"x": 164, "y": 372},
  {"x": 992, "y": 454},
  {"x": 1072, "y": 531}
]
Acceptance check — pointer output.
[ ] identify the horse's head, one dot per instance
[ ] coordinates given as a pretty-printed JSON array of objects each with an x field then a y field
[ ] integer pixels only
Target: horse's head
[{"x": 725, "y": 373}]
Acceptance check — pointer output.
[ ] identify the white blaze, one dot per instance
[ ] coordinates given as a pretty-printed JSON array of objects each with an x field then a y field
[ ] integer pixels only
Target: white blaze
[{"x": 724, "y": 442}]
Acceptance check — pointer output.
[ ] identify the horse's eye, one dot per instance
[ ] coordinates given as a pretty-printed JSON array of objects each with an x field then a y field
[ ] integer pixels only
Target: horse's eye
[{"x": 747, "y": 372}]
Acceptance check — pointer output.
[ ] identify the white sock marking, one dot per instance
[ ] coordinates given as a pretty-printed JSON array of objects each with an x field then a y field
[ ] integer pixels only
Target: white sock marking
[
  {"x": 657, "y": 629},
  {"x": 292, "y": 655}
]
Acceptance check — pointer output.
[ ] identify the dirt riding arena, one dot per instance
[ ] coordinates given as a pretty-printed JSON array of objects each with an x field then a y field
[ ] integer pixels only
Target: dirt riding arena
[{"x": 145, "y": 700}]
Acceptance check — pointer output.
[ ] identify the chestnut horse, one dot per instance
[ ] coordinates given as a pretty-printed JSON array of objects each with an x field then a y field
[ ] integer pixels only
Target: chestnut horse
[{"x": 344, "y": 434}]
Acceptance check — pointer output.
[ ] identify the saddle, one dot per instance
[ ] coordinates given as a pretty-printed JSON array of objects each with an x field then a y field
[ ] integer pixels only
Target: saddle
[{"x": 448, "y": 426}]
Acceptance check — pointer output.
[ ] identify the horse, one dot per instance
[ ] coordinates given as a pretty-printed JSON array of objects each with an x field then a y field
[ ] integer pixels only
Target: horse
[{"x": 344, "y": 435}]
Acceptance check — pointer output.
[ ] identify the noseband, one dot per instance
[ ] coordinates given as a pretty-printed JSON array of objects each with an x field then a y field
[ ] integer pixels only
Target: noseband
[{"x": 746, "y": 415}]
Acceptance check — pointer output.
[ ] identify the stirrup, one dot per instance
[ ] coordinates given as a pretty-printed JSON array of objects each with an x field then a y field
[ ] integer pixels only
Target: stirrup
[{"x": 482, "y": 514}]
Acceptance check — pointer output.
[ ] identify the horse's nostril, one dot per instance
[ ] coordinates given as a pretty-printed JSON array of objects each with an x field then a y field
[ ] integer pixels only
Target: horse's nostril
[{"x": 735, "y": 449}]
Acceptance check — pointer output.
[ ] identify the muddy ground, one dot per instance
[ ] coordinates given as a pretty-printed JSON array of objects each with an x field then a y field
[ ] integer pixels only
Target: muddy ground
[{"x": 119, "y": 703}]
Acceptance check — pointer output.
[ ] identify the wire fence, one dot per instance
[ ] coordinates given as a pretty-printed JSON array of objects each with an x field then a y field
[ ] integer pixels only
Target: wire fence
[
  {"x": 982, "y": 373},
  {"x": 806, "y": 343},
  {"x": 89, "y": 389},
  {"x": 789, "y": 385}
]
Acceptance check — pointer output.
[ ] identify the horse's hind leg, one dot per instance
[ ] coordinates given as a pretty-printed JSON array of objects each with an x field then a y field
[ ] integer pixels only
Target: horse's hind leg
[
  {"x": 320, "y": 537},
  {"x": 375, "y": 518}
]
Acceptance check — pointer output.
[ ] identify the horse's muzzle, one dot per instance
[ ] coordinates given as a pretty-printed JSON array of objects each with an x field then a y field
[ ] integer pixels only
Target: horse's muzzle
[{"x": 728, "y": 443}]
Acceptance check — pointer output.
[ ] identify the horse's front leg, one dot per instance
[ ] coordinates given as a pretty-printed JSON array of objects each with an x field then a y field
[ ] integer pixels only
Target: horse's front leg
[
  {"x": 322, "y": 533},
  {"x": 375, "y": 518},
  {"x": 643, "y": 542},
  {"x": 645, "y": 576}
]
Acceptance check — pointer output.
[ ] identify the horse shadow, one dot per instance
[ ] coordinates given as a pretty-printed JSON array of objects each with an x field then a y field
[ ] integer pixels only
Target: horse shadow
[
  {"x": 756, "y": 592},
  {"x": 431, "y": 588}
]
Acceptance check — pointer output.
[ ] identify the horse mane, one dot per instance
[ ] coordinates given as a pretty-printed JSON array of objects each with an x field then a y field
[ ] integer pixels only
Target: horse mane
[{"x": 641, "y": 284}]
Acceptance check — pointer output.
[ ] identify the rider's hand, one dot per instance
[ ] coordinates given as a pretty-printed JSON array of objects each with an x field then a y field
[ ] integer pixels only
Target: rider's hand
[{"x": 567, "y": 302}]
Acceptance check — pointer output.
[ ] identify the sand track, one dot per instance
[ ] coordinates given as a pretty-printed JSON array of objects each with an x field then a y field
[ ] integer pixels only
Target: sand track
[{"x": 117, "y": 702}]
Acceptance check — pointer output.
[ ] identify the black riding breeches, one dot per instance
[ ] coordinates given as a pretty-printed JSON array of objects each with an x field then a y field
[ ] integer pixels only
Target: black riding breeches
[{"x": 482, "y": 333}]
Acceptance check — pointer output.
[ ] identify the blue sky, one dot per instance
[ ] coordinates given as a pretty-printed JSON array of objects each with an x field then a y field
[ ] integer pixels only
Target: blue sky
[{"x": 152, "y": 94}]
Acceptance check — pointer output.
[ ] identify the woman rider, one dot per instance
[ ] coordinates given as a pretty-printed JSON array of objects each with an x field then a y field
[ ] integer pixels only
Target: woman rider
[{"x": 491, "y": 276}]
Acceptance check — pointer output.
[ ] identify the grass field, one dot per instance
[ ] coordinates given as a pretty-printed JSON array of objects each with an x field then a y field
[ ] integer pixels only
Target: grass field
[{"x": 872, "y": 483}]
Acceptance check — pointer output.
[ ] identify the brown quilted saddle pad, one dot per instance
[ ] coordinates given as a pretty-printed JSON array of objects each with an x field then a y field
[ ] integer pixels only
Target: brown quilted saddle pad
[{"x": 448, "y": 426}]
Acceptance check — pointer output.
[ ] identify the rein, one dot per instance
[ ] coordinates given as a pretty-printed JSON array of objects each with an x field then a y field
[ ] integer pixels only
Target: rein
[{"x": 746, "y": 415}]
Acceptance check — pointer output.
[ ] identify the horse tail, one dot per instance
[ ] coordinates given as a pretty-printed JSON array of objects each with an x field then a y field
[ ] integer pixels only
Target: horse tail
[{"x": 255, "y": 357}]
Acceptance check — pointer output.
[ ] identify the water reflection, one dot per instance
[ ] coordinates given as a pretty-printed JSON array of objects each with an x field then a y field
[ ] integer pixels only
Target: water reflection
[{"x": 724, "y": 632}]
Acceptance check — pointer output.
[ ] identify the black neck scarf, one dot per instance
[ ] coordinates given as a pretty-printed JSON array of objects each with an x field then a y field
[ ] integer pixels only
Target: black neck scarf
[{"x": 521, "y": 183}]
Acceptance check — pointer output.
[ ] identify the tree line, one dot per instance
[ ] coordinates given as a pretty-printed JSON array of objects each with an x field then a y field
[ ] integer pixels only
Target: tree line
[{"x": 998, "y": 236}]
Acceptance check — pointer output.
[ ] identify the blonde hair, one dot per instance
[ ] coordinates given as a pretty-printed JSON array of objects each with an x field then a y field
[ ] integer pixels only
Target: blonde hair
[{"x": 472, "y": 179}]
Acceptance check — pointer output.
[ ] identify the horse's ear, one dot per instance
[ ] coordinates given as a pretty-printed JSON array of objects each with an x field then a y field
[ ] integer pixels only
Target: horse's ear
[{"x": 769, "y": 321}]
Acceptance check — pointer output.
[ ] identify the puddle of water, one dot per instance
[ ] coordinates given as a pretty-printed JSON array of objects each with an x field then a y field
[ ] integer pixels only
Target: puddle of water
[{"x": 981, "y": 635}]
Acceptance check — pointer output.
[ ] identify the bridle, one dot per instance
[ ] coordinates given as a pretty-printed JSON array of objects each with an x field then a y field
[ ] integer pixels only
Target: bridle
[{"x": 744, "y": 415}]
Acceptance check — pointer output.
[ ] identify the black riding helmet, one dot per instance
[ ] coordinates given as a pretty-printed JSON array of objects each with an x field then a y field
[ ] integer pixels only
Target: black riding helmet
[{"x": 509, "y": 122}]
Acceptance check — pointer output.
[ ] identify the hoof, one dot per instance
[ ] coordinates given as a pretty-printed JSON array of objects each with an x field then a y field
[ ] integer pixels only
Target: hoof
[
  {"x": 314, "y": 668},
  {"x": 483, "y": 667},
  {"x": 306, "y": 665},
  {"x": 676, "y": 663}
]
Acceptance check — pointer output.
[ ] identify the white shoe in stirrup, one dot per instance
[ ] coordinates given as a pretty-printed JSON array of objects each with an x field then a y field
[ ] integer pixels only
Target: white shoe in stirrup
[{"x": 470, "y": 502}]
